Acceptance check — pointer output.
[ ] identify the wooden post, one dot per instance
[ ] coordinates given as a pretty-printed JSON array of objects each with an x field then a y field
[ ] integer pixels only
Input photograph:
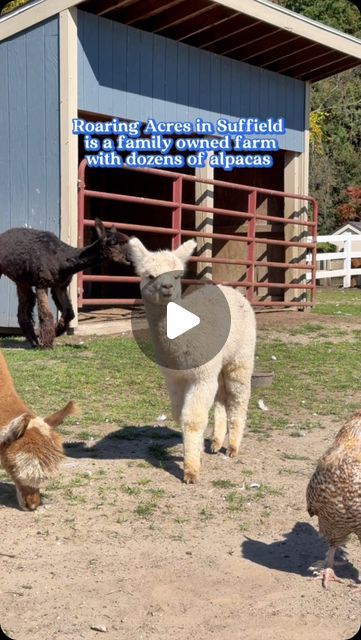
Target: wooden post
[
  {"x": 204, "y": 196},
  {"x": 296, "y": 181},
  {"x": 68, "y": 47},
  {"x": 347, "y": 260}
]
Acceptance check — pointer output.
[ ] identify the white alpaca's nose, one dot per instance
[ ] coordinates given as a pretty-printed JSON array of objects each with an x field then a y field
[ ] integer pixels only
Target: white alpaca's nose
[{"x": 167, "y": 288}]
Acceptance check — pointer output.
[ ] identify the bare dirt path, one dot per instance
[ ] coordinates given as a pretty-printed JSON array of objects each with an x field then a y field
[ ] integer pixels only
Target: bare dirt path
[{"x": 122, "y": 545}]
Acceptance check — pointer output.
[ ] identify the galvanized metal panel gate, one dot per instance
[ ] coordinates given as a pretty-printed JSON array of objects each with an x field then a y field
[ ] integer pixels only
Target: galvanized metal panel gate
[{"x": 306, "y": 223}]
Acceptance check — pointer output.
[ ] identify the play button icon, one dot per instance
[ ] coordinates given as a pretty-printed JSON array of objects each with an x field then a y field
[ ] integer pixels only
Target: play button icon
[
  {"x": 179, "y": 320},
  {"x": 181, "y": 329}
]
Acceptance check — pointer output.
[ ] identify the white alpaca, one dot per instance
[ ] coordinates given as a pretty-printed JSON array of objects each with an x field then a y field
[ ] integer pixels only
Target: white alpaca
[{"x": 225, "y": 380}]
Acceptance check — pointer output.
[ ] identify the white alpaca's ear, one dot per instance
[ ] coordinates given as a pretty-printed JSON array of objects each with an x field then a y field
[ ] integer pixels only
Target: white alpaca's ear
[
  {"x": 137, "y": 253},
  {"x": 185, "y": 251},
  {"x": 14, "y": 429}
]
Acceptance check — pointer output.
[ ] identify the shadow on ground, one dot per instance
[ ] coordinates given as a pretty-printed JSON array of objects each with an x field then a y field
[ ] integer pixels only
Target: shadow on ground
[
  {"x": 149, "y": 444},
  {"x": 301, "y": 548},
  {"x": 13, "y": 343},
  {"x": 24, "y": 345},
  {"x": 8, "y": 496}
]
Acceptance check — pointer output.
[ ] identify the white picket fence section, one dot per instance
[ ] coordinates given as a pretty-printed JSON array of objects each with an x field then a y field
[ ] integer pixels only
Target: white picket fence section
[{"x": 345, "y": 253}]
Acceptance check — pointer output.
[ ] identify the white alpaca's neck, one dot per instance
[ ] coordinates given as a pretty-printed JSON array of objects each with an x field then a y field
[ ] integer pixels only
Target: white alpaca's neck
[
  {"x": 157, "y": 321},
  {"x": 168, "y": 353}
]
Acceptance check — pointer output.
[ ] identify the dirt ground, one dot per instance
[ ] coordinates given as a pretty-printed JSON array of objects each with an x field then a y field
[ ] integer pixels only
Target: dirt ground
[{"x": 123, "y": 546}]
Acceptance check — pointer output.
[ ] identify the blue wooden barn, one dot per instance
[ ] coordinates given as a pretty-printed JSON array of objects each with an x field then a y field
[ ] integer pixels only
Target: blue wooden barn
[{"x": 170, "y": 60}]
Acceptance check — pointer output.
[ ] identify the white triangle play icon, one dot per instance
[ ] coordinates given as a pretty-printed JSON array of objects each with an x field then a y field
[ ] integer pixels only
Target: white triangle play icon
[{"x": 179, "y": 320}]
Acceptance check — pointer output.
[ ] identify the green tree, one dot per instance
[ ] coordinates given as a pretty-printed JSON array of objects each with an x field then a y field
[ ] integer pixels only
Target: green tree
[
  {"x": 335, "y": 124},
  {"x": 340, "y": 14},
  {"x": 14, "y": 4},
  {"x": 335, "y": 161}
]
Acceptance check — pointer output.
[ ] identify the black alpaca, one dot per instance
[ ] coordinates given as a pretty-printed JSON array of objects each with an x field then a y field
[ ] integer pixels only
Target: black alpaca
[{"x": 39, "y": 259}]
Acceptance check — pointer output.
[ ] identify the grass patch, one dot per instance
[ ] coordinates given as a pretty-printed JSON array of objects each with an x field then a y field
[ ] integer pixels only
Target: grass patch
[
  {"x": 157, "y": 493},
  {"x": 206, "y": 513},
  {"x": 145, "y": 509},
  {"x": 159, "y": 452},
  {"x": 235, "y": 501},
  {"x": 85, "y": 435},
  {"x": 110, "y": 379},
  {"x": 115, "y": 384},
  {"x": 293, "y": 456},
  {"x": 144, "y": 481},
  {"x": 80, "y": 480},
  {"x": 306, "y": 378},
  {"x": 290, "y": 472},
  {"x": 143, "y": 465},
  {"x": 54, "y": 485},
  {"x": 263, "y": 491},
  {"x": 130, "y": 491},
  {"x": 223, "y": 484},
  {"x": 74, "y": 497},
  {"x": 307, "y": 329},
  {"x": 333, "y": 302}
]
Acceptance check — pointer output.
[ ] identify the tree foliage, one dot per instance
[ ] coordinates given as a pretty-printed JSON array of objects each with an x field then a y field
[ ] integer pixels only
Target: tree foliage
[
  {"x": 340, "y": 14},
  {"x": 14, "y": 4},
  {"x": 335, "y": 122},
  {"x": 351, "y": 210}
]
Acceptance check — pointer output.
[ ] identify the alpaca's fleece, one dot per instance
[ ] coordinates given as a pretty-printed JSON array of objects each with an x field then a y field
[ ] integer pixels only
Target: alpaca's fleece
[
  {"x": 35, "y": 456},
  {"x": 14, "y": 430},
  {"x": 224, "y": 381},
  {"x": 30, "y": 451},
  {"x": 147, "y": 263},
  {"x": 33, "y": 258}
]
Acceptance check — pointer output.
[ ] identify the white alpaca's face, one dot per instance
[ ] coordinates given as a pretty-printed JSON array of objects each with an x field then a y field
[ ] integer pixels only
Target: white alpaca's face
[
  {"x": 160, "y": 271},
  {"x": 167, "y": 287}
]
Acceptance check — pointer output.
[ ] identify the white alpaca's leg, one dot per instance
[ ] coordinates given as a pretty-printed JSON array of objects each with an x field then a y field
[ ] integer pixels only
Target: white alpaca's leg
[
  {"x": 194, "y": 418},
  {"x": 176, "y": 390},
  {"x": 237, "y": 379},
  {"x": 220, "y": 418}
]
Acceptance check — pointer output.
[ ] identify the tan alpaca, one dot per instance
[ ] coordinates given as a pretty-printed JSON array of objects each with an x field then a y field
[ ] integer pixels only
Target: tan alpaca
[{"x": 30, "y": 451}]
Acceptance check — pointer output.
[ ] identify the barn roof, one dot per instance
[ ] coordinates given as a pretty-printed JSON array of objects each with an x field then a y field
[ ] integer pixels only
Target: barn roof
[
  {"x": 258, "y": 32},
  {"x": 352, "y": 224}
]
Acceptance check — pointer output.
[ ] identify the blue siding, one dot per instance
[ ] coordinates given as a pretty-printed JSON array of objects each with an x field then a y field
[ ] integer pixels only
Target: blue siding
[
  {"x": 146, "y": 71},
  {"x": 158, "y": 89},
  {"x": 128, "y": 73},
  {"x": 29, "y": 134}
]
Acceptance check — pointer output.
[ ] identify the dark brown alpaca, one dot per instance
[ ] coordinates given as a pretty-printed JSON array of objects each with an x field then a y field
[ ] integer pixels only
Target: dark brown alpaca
[{"x": 38, "y": 259}]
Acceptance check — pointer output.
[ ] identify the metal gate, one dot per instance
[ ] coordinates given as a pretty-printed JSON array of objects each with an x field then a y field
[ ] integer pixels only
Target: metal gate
[{"x": 306, "y": 222}]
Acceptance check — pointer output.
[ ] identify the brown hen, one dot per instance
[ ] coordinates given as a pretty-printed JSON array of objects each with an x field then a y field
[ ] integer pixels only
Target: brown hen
[{"x": 334, "y": 492}]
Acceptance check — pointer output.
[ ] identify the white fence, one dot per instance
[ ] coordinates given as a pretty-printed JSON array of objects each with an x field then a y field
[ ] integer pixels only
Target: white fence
[{"x": 345, "y": 253}]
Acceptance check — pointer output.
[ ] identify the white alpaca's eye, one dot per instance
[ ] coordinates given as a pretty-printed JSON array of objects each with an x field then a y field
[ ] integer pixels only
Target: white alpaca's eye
[{"x": 151, "y": 277}]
